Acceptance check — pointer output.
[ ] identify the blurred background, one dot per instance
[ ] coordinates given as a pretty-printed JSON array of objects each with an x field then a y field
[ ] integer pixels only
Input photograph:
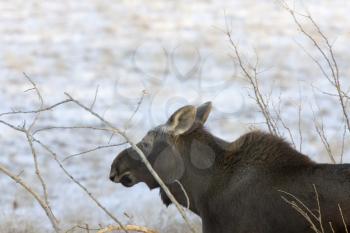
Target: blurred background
[{"x": 167, "y": 53}]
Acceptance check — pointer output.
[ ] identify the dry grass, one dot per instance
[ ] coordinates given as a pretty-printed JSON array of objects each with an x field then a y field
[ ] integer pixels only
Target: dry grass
[{"x": 20, "y": 225}]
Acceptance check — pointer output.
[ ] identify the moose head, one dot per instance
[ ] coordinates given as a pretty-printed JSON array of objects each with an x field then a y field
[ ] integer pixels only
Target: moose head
[{"x": 164, "y": 146}]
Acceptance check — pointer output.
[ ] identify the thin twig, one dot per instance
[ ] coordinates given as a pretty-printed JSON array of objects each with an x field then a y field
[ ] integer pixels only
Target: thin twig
[
  {"x": 299, "y": 122},
  {"x": 188, "y": 203},
  {"x": 95, "y": 97},
  {"x": 303, "y": 213},
  {"x": 93, "y": 149},
  {"x": 306, "y": 212},
  {"x": 128, "y": 123},
  {"x": 38, "y": 172},
  {"x": 35, "y": 111},
  {"x": 55, "y": 157},
  {"x": 281, "y": 120},
  {"x": 41, "y": 100},
  {"x": 68, "y": 127},
  {"x": 332, "y": 65},
  {"x": 300, "y": 203},
  {"x": 331, "y": 226},
  {"x": 252, "y": 78},
  {"x": 322, "y": 135},
  {"x": 318, "y": 208},
  {"x": 343, "y": 219},
  {"x": 36, "y": 196},
  {"x": 86, "y": 227},
  {"x": 143, "y": 158},
  {"x": 343, "y": 145}
]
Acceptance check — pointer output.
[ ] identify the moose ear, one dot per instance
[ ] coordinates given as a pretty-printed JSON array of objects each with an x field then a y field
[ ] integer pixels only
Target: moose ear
[
  {"x": 182, "y": 120},
  {"x": 203, "y": 112}
]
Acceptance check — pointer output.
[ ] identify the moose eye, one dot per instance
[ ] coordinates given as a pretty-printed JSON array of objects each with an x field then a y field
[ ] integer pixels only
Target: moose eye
[{"x": 146, "y": 145}]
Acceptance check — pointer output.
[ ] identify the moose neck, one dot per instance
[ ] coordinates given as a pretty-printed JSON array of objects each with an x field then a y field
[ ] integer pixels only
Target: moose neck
[{"x": 199, "y": 150}]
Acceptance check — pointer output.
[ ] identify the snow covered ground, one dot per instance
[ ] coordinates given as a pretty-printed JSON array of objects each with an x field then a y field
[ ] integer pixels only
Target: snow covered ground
[{"x": 177, "y": 52}]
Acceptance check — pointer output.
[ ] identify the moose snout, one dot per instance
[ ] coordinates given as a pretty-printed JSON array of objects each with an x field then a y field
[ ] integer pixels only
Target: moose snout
[
  {"x": 112, "y": 175},
  {"x": 123, "y": 169},
  {"x": 125, "y": 179}
]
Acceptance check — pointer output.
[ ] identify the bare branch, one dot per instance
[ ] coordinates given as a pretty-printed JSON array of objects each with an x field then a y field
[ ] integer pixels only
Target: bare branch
[
  {"x": 21, "y": 129},
  {"x": 36, "y": 196},
  {"x": 30, "y": 142},
  {"x": 185, "y": 193},
  {"x": 128, "y": 123},
  {"x": 86, "y": 227},
  {"x": 300, "y": 107},
  {"x": 142, "y": 156},
  {"x": 55, "y": 157},
  {"x": 331, "y": 226},
  {"x": 317, "y": 62},
  {"x": 48, "y": 128},
  {"x": 41, "y": 100},
  {"x": 343, "y": 145},
  {"x": 37, "y": 171},
  {"x": 305, "y": 211},
  {"x": 318, "y": 207},
  {"x": 252, "y": 78},
  {"x": 129, "y": 227},
  {"x": 334, "y": 77},
  {"x": 93, "y": 149},
  {"x": 53, "y": 154},
  {"x": 283, "y": 123},
  {"x": 35, "y": 111},
  {"x": 321, "y": 133},
  {"x": 95, "y": 97},
  {"x": 319, "y": 126},
  {"x": 298, "y": 201},
  {"x": 343, "y": 219}
]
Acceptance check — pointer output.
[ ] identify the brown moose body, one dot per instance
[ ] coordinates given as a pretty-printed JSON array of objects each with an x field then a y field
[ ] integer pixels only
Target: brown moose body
[{"x": 246, "y": 186}]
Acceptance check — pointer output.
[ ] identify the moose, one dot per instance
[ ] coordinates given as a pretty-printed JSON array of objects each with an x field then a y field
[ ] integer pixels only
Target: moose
[{"x": 254, "y": 184}]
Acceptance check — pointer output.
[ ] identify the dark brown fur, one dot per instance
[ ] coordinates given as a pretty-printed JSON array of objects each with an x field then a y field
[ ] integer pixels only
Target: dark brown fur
[
  {"x": 241, "y": 191},
  {"x": 260, "y": 147}
]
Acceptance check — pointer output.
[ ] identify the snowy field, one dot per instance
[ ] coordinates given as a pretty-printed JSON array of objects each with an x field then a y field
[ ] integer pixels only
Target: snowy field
[{"x": 175, "y": 51}]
